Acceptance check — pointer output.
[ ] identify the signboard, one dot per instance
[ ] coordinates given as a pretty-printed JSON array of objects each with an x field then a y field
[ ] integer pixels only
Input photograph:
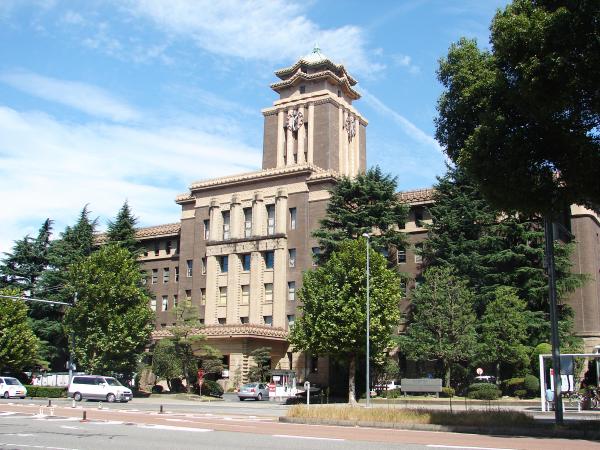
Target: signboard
[
  {"x": 421, "y": 385},
  {"x": 479, "y": 371},
  {"x": 276, "y": 378},
  {"x": 271, "y": 387}
]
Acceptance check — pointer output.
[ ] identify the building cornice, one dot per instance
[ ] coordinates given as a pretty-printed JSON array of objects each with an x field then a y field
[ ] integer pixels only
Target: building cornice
[
  {"x": 301, "y": 76},
  {"x": 282, "y": 73},
  {"x": 239, "y": 331}
]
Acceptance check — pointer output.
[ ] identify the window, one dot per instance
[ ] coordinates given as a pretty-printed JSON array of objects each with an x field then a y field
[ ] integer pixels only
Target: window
[
  {"x": 385, "y": 253},
  {"x": 202, "y": 296},
  {"x": 206, "y": 229},
  {"x": 302, "y": 89},
  {"x": 154, "y": 276},
  {"x": 244, "y": 319},
  {"x": 418, "y": 257},
  {"x": 176, "y": 274},
  {"x": 190, "y": 267},
  {"x": 245, "y": 294},
  {"x": 201, "y": 321},
  {"x": 224, "y": 263},
  {"x": 291, "y": 290},
  {"x": 145, "y": 252},
  {"x": 401, "y": 255},
  {"x": 223, "y": 295},
  {"x": 316, "y": 251},
  {"x": 156, "y": 249},
  {"x": 165, "y": 303},
  {"x": 226, "y": 217},
  {"x": 314, "y": 364},
  {"x": 292, "y": 257},
  {"x": 175, "y": 301},
  {"x": 268, "y": 320},
  {"x": 268, "y": 292},
  {"x": 246, "y": 261},
  {"x": 153, "y": 304},
  {"x": 291, "y": 318},
  {"x": 144, "y": 277},
  {"x": 166, "y": 274},
  {"x": 168, "y": 247},
  {"x": 270, "y": 219},
  {"x": 222, "y": 321},
  {"x": 188, "y": 294},
  {"x": 269, "y": 259},
  {"x": 247, "y": 222},
  {"x": 403, "y": 288},
  {"x": 419, "y": 217},
  {"x": 339, "y": 93},
  {"x": 293, "y": 218},
  {"x": 203, "y": 265}
]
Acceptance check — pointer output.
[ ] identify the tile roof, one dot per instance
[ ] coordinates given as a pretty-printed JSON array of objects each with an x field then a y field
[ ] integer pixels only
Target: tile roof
[
  {"x": 229, "y": 331},
  {"x": 417, "y": 196}
]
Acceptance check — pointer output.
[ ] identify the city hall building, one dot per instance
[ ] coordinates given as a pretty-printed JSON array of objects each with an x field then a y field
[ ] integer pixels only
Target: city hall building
[{"x": 243, "y": 241}]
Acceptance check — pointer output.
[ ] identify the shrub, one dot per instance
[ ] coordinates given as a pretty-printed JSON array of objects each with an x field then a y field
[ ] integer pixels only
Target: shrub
[
  {"x": 447, "y": 392},
  {"x": 511, "y": 385},
  {"x": 521, "y": 393},
  {"x": 177, "y": 385},
  {"x": 157, "y": 389},
  {"x": 532, "y": 385},
  {"x": 484, "y": 391},
  {"x": 392, "y": 393},
  {"x": 46, "y": 391},
  {"x": 211, "y": 389}
]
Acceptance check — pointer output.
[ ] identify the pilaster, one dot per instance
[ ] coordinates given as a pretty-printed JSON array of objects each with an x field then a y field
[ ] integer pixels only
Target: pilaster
[
  {"x": 279, "y": 287},
  {"x": 210, "y": 311},
  {"x": 281, "y": 211},
  {"x": 233, "y": 288},
  {"x": 280, "y": 139},
  {"x": 311, "y": 132},
  {"x": 258, "y": 215},
  {"x": 216, "y": 221},
  {"x": 236, "y": 218}
]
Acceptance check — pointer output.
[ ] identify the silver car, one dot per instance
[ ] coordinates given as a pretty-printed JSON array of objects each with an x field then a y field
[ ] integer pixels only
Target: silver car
[{"x": 257, "y": 391}]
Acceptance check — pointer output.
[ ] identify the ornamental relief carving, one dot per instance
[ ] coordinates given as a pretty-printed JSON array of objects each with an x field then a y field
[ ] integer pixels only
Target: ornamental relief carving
[
  {"x": 350, "y": 124},
  {"x": 295, "y": 120}
]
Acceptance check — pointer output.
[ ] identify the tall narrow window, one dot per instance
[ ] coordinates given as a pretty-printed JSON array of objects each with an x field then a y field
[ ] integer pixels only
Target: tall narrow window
[
  {"x": 419, "y": 217},
  {"x": 224, "y": 263},
  {"x": 316, "y": 251},
  {"x": 292, "y": 257},
  {"x": 245, "y": 294},
  {"x": 206, "y": 229},
  {"x": 222, "y": 321},
  {"x": 168, "y": 247},
  {"x": 188, "y": 294},
  {"x": 268, "y": 320},
  {"x": 156, "y": 248},
  {"x": 153, "y": 304},
  {"x": 190, "y": 267},
  {"x": 176, "y": 274},
  {"x": 244, "y": 319},
  {"x": 401, "y": 256},
  {"x": 154, "y": 276},
  {"x": 226, "y": 217},
  {"x": 175, "y": 301},
  {"x": 165, "y": 303},
  {"x": 203, "y": 265},
  {"x": 291, "y": 318},
  {"x": 166, "y": 274},
  {"x": 293, "y": 214},
  {"x": 269, "y": 259},
  {"x": 270, "y": 219},
  {"x": 247, "y": 222},
  {"x": 223, "y": 296},
  {"x": 291, "y": 291},
  {"x": 418, "y": 256},
  {"x": 202, "y": 296},
  {"x": 144, "y": 277},
  {"x": 246, "y": 262},
  {"x": 268, "y": 292}
]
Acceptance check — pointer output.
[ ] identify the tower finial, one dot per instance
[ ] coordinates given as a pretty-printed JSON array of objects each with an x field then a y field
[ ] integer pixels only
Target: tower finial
[{"x": 316, "y": 48}]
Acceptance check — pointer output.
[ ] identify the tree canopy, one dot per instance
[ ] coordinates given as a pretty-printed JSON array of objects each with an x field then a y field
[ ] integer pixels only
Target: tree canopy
[
  {"x": 524, "y": 118},
  {"x": 121, "y": 231}
]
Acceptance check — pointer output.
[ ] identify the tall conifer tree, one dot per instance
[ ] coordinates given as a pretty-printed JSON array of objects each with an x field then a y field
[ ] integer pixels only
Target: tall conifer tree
[{"x": 121, "y": 231}]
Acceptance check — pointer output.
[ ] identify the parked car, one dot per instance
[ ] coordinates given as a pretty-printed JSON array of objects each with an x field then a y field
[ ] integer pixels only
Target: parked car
[
  {"x": 485, "y": 379},
  {"x": 98, "y": 387},
  {"x": 390, "y": 385},
  {"x": 257, "y": 391},
  {"x": 11, "y": 387}
]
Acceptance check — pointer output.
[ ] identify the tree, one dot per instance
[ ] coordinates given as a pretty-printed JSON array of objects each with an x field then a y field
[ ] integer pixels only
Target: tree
[
  {"x": 367, "y": 203},
  {"x": 503, "y": 331},
  {"x": 18, "y": 343},
  {"x": 122, "y": 230},
  {"x": 443, "y": 320},
  {"x": 262, "y": 360},
  {"x": 166, "y": 364},
  {"x": 333, "y": 320},
  {"x": 111, "y": 319},
  {"x": 524, "y": 118}
]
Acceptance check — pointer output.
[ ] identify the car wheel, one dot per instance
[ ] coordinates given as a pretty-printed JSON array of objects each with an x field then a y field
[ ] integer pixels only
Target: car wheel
[
  {"x": 259, "y": 397},
  {"x": 77, "y": 396},
  {"x": 22, "y": 398},
  {"x": 110, "y": 398},
  {"x": 6, "y": 395},
  {"x": 241, "y": 399}
]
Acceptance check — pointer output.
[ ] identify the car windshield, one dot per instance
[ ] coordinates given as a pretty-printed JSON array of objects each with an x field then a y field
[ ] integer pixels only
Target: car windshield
[
  {"x": 12, "y": 381},
  {"x": 249, "y": 385},
  {"x": 113, "y": 382}
]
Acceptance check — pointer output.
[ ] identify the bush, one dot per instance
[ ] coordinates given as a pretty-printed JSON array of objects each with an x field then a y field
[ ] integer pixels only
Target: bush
[
  {"x": 392, "y": 393},
  {"x": 211, "y": 389},
  {"x": 484, "y": 391},
  {"x": 447, "y": 392},
  {"x": 157, "y": 389},
  {"x": 46, "y": 391},
  {"x": 521, "y": 393},
  {"x": 177, "y": 385},
  {"x": 532, "y": 385},
  {"x": 511, "y": 385}
]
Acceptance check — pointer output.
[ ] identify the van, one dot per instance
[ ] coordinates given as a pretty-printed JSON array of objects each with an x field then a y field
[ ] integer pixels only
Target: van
[
  {"x": 98, "y": 387},
  {"x": 11, "y": 387}
]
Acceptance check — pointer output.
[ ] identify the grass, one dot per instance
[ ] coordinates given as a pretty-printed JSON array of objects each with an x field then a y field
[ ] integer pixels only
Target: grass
[{"x": 500, "y": 419}]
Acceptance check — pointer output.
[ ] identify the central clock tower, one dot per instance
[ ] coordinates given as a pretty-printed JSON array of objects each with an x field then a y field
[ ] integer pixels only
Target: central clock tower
[{"x": 314, "y": 122}]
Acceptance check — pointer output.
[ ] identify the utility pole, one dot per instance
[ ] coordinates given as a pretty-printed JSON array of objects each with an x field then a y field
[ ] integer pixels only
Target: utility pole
[{"x": 367, "y": 235}]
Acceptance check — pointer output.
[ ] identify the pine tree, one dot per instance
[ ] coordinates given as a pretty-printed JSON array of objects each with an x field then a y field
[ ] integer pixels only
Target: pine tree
[
  {"x": 122, "y": 230},
  {"x": 365, "y": 204}
]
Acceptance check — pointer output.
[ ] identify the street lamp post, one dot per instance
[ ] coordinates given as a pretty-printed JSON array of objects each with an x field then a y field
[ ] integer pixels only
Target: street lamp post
[{"x": 367, "y": 236}]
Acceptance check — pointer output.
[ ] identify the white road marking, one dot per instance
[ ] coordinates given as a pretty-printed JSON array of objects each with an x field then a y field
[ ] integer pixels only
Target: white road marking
[
  {"x": 7, "y": 444},
  {"x": 173, "y": 428},
  {"x": 20, "y": 434},
  {"x": 108, "y": 422},
  {"x": 69, "y": 427},
  {"x": 307, "y": 437},
  {"x": 7, "y": 413},
  {"x": 465, "y": 447}
]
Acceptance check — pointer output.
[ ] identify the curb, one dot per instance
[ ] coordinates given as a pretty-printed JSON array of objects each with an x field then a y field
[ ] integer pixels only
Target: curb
[{"x": 529, "y": 432}]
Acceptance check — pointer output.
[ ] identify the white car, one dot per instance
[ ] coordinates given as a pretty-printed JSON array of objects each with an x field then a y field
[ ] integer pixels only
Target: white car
[
  {"x": 98, "y": 387},
  {"x": 11, "y": 387}
]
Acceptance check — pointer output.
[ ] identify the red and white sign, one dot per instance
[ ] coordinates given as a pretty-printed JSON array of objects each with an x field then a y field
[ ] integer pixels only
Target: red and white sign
[
  {"x": 272, "y": 387},
  {"x": 479, "y": 371}
]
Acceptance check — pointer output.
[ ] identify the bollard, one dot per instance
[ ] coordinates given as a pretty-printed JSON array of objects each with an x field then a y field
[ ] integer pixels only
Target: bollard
[
  {"x": 100, "y": 405},
  {"x": 84, "y": 418},
  {"x": 73, "y": 404},
  {"x": 49, "y": 403},
  {"x": 161, "y": 410}
]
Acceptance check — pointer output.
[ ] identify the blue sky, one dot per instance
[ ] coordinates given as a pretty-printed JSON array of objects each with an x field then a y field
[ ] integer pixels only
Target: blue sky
[{"x": 102, "y": 101}]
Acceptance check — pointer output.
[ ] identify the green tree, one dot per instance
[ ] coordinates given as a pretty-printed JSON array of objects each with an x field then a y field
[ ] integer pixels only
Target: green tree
[
  {"x": 367, "y": 203},
  {"x": 121, "y": 231},
  {"x": 262, "y": 368},
  {"x": 333, "y": 320},
  {"x": 212, "y": 361},
  {"x": 442, "y": 325},
  {"x": 18, "y": 343},
  {"x": 111, "y": 319},
  {"x": 166, "y": 364},
  {"x": 523, "y": 119},
  {"x": 503, "y": 331}
]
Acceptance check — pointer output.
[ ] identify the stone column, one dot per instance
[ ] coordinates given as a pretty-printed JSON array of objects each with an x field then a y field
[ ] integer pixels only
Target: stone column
[
  {"x": 210, "y": 312},
  {"x": 356, "y": 143},
  {"x": 289, "y": 146},
  {"x": 280, "y": 286},
  {"x": 236, "y": 219},
  {"x": 348, "y": 151},
  {"x": 259, "y": 226},
  {"x": 216, "y": 221},
  {"x": 343, "y": 163},
  {"x": 280, "y": 138},
  {"x": 233, "y": 288},
  {"x": 311, "y": 132},
  {"x": 301, "y": 142},
  {"x": 281, "y": 211}
]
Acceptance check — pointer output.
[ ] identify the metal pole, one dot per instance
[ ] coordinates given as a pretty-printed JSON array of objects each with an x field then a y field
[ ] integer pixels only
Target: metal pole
[
  {"x": 549, "y": 241},
  {"x": 368, "y": 321},
  {"x": 72, "y": 346}
]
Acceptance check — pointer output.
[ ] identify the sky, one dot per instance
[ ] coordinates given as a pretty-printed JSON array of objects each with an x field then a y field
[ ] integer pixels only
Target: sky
[{"x": 107, "y": 101}]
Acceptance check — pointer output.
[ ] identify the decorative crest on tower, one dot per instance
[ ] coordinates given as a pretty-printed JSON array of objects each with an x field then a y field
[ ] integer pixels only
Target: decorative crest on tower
[{"x": 350, "y": 125}]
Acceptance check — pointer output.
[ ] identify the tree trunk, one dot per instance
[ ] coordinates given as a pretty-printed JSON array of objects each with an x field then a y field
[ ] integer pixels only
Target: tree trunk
[
  {"x": 447, "y": 374},
  {"x": 497, "y": 372},
  {"x": 352, "y": 379},
  {"x": 169, "y": 384}
]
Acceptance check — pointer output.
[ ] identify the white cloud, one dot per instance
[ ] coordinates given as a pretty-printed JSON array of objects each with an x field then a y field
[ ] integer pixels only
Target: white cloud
[
  {"x": 52, "y": 169},
  {"x": 80, "y": 96},
  {"x": 270, "y": 31},
  {"x": 405, "y": 61}
]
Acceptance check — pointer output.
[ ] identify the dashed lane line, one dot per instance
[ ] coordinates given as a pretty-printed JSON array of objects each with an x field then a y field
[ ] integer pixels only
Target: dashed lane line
[
  {"x": 465, "y": 447},
  {"x": 8, "y": 444},
  {"x": 173, "y": 428},
  {"x": 291, "y": 436}
]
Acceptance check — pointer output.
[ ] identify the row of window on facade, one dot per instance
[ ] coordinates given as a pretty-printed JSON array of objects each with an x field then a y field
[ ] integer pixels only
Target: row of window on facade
[
  {"x": 248, "y": 231},
  {"x": 169, "y": 248}
]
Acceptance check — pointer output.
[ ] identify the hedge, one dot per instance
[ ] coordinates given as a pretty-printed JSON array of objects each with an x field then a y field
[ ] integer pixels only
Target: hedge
[
  {"x": 484, "y": 391},
  {"x": 46, "y": 391},
  {"x": 211, "y": 389}
]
